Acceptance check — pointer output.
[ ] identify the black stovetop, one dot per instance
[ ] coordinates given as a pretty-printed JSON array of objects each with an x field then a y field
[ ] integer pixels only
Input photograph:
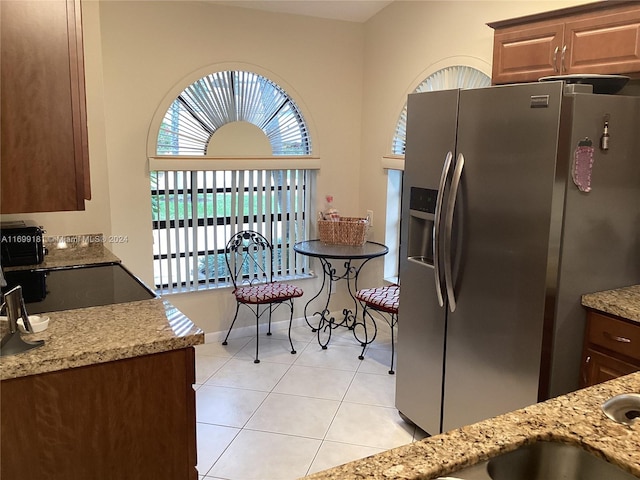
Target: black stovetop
[{"x": 77, "y": 287}]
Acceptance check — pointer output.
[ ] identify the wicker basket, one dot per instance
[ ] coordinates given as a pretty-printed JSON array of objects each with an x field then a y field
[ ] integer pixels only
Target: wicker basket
[{"x": 346, "y": 231}]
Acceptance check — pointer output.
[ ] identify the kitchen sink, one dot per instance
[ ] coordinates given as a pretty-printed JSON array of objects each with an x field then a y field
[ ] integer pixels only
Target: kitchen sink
[
  {"x": 553, "y": 460},
  {"x": 544, "y": 461}
]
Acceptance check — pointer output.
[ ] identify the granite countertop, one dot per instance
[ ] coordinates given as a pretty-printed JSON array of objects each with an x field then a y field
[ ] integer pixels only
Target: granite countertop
[
  {"x": 623, "y": 302},
  {"x": 74, "y": 250},
  {"x": 86, "y": 336},
  {"x": 575, "y": 418}
]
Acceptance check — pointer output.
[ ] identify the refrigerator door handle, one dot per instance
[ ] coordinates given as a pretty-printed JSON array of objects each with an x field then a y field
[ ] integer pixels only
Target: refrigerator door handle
[
  {"x": 436, "y": 227},
  {"x": 448, "y": 228}
]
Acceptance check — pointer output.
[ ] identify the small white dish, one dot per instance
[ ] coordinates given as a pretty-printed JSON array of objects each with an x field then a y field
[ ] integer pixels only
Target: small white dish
[{"x": 38, "y": 324}]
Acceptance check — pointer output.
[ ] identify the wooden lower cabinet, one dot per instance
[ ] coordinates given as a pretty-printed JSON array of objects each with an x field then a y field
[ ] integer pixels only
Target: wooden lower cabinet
[
  {"x": 611, "y": 348},
  {"x": 127, "y": 419},
  {"x": 599, "y": 367}
]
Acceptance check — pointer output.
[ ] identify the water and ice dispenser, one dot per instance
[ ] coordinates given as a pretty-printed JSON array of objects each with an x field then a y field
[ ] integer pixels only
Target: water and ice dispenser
[{"x": 422, "y": 208}]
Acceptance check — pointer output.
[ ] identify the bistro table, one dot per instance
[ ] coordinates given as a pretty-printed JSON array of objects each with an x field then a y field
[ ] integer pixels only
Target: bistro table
[{"x": 354, "y": 257}]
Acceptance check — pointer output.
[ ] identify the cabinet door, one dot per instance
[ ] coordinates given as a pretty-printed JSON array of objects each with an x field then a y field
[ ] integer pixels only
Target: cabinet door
[
  {"x": 44, "y": 149},
  {"x": 606, "y": 44},
  {"x": 598, "y": 367},
  {"x": 527, "y": 52},
  {"x": 621, "y": 338},
  {"x": 128, "y": 419}
]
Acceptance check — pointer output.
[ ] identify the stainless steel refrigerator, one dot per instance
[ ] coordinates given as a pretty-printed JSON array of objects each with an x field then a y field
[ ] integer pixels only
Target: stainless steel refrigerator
[{"x": 516, "y": 200}]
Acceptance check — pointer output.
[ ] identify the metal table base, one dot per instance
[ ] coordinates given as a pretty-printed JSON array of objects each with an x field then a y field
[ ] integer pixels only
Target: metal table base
[{"x": 354, "y": 258}]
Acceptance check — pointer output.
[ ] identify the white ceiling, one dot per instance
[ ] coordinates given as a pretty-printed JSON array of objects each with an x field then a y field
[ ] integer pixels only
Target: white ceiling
[{"x": 348, "y": 10}]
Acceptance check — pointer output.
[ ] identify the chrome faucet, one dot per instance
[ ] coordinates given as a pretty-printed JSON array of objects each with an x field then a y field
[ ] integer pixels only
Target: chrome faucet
[{"x": 12, "y": 342}]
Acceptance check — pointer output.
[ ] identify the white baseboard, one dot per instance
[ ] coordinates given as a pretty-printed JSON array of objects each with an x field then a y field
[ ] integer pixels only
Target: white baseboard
[{"x": 237, "y": 332}]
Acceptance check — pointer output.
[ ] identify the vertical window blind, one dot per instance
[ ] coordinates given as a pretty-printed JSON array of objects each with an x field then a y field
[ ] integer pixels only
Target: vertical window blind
[
  {"x": 198, "y": 205},
  {"x": 196, "y": 212}
]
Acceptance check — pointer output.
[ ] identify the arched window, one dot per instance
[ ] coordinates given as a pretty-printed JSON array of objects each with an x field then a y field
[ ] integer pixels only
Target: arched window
[
  {"x": 223, "y": 132},
  {"x": 230, "y": 100}
]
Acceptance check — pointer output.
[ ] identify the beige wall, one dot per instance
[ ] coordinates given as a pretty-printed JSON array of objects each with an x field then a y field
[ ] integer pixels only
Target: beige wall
[
  {"x": 350, "y": 80},
  {"x": 150, "y": 48}
]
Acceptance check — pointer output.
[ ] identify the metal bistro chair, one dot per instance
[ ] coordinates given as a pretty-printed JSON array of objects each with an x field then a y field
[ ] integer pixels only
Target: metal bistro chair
[
  {"x": 249, "y": 257},
  {"x": 384, "y": 300}
]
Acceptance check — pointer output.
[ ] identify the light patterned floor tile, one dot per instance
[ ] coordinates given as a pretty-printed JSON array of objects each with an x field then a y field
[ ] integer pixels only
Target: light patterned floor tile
[
  {"x": 231, "y": 407},
  {"x": 336, "y": 356},
  {"x": 321, "y": 406},
  {"x": 299, "y": 334},
  {"x": 212, "y": 441},
  {"x": 315, "y": 382},
  {"x": 294, "y": 415},
  {"x": 207, "y": 365},
  {"x": 368, "y": 425},
  {"x": 377, "y": 360},
  {"x": 266, "y": 456},
  {"x": 216, "y": 348},
  {"x": 246, "y": 374},
  {"x": 372, "y": 389},
  {"x": 332, "y": 454},
  {"x": 270, "y": 349}
]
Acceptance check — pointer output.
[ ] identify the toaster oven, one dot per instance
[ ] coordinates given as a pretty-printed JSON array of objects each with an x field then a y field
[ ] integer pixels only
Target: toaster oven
[{"x": 21, "y": 243}]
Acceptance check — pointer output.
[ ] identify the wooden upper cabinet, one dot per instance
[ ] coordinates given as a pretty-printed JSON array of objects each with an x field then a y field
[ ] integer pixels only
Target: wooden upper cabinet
[
  {"x": 599, "y": 38},
  {"x": 44, "y": 148},
  {"x": 607, "y": 43},
  {"x": 527, "y": 54}
]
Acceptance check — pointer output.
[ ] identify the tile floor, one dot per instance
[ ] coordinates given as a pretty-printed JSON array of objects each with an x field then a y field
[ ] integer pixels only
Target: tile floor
[{"x": 292, "y": 415}]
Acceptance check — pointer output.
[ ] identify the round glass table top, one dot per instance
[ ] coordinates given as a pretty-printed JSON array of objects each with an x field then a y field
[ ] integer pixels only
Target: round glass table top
[{"x": 315, "y": 248}]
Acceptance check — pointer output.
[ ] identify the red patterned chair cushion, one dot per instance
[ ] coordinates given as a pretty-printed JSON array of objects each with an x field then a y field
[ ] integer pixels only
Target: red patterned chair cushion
[
  {"x": 267, "y": 293},
  {"x": 381, "y": 298}
]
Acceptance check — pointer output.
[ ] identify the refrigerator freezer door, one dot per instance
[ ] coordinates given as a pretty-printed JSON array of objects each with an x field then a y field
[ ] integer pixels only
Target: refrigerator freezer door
[
  {"x": 508, "y": 136},
  {"x": 431, "y": 134}
]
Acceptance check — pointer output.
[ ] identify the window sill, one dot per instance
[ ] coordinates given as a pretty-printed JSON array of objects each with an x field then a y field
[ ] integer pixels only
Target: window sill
[{"x": 220, "y": 286}]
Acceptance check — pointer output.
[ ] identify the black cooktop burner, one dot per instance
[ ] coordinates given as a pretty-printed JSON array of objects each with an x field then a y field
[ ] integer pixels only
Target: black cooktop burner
[{"x": 77, "y": 287}]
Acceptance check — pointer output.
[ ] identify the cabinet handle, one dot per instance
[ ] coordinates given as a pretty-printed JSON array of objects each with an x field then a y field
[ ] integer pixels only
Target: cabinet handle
[
  {"x": 555, "y": 59},
  {"x": 585, "y": 370},
  {"x": 616, "y": 338},
  {"x": 564, "y": 50}
]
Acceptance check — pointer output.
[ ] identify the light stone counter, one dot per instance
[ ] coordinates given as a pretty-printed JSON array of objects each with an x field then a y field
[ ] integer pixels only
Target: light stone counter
[
  {"x": 74, "y": 250},
  {"x": 623, "y": 302},
  {"x": 88, "y": 336},
  {"x": 575, "y": 418}
]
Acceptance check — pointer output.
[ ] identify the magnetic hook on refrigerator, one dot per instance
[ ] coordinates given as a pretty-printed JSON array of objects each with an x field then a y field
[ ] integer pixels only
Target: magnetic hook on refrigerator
[{"x": 585, "y": 142}]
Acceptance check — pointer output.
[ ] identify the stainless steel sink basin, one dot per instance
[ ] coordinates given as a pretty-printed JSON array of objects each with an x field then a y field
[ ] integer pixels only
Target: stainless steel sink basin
[
  {"x": 553, "y": 460},
  {"x": 623, "y": 408},
  {"x": 544, "y": 461}
]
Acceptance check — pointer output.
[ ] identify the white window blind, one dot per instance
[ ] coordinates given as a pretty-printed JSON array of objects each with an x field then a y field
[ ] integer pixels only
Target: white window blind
[
  {"x": 226, "y": 97},
  {"x": 196, "y": 212},
  {"x": 232, "y": 152}
]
